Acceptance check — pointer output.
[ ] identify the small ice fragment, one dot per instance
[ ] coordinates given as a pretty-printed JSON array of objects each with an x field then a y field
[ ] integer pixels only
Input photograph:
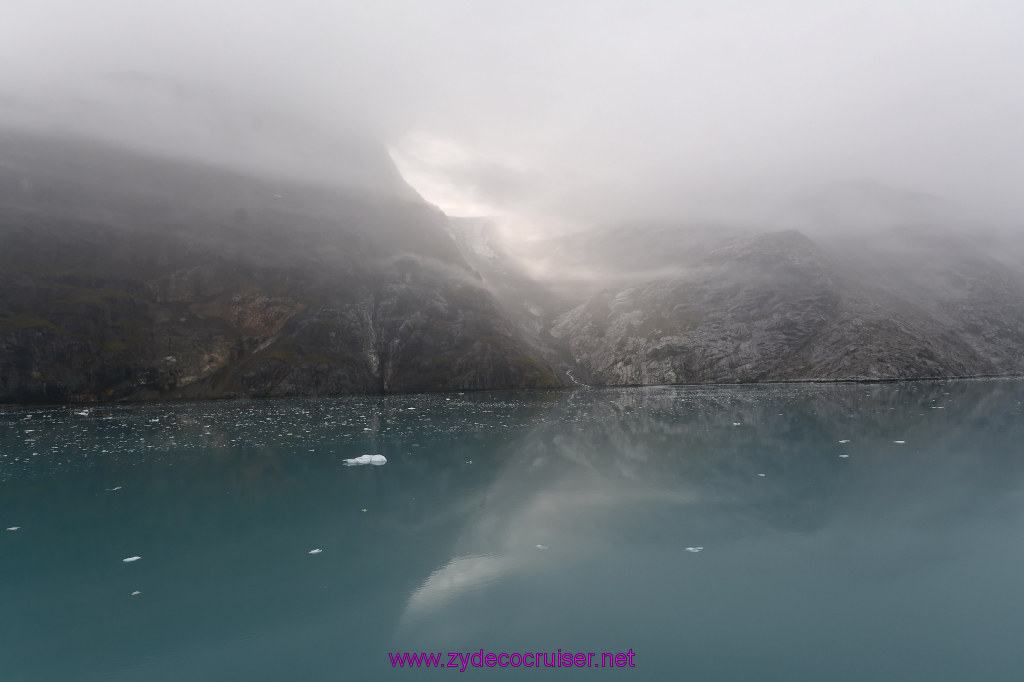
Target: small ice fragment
[
  {"x": 315, "y": 551},
  {"x": 83, "y": 413},
  {"x": 845, "y": 441},
  {"x": 736, "y": 423},
  {"x": 136, "y": 593},
  {"x": 131, "y": 559},
  {"x": 761, "y": 475},
  {"x": 694, "y": 549},
  {"x": 844, "y": 456},
  {"x": 363, "y": 509},
  {"x": 542, "y": 546},
  {"x": 14, "y": 528},
  {"x": 410, "y": 408},
  {"x": 367, "y": 428},
  {"x": 900, "y": 442},
  {"x": 113, "y": 489},
  {"x": 366, "y": 459},
  {"x": 469, "y": 461}
]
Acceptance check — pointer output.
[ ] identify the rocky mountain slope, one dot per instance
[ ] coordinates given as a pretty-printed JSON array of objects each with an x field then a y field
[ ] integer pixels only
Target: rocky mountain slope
[
  {"x": 131, "y": 276},
  {"x": 780, "y": 307},
  {"x": 126, "y": 276}
]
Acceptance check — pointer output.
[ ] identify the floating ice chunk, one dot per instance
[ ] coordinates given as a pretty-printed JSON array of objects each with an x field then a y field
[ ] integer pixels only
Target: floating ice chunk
[
  {"x": 469, "y": 461},
  {"x": 847, "y": 440},
  {"x": 136, "y": 593},
  {"x": 761, "y": 475},
  {"x": 131, "y": 559},
  {"x": 366, "y": 459},
  {"x": 83, "y": 413},
  {"x": 900, "y": 442},
  {"x": 736, "y": 423},
  {"x": 14, "y": 528},
  {"x": 542, "y": 546},
  {"x": 844, "y": 456},
  {"x": 315, "y": 551},
  {"x": 694, "y": 549},
  {"x": 113, "y": 489},
  {"x": 363, "y": 509}
]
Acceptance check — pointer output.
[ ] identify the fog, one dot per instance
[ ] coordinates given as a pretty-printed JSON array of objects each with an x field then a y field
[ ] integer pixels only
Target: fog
[{"x": 560, "y": 115}]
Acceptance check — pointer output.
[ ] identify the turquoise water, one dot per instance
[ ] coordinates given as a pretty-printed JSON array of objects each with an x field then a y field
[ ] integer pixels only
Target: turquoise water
[{"x": 521, "y": 522}]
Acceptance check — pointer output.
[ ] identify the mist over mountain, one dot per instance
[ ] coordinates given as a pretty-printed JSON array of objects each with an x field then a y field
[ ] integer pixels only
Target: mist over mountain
[
  {"x": 131, "y": 276},
  {"x": 264, "y": 198}
]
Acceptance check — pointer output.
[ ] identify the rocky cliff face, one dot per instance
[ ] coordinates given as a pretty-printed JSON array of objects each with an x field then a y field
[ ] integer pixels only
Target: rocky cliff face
[
  {"x": 129, "y": 277},
  {"x": 779, "y": 307}
]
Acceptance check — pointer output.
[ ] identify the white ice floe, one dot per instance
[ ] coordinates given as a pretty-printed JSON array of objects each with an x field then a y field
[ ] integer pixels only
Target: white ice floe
[
  {"x": 761, "y": 475},
  {"x": 14, "y": 528},
  {"x": 363, "y": 509},
  {"x": 845, "y": 441},
  {"x": 136, "y": 593},
  {"x": 110, "y": 490},
  {"x": 900, "y": 442},
  {"x": 844, "y": 456},
  {"x": 736, "y": 423},
  {"x": 83, "y": 413},
  {"x": 131, "y": 559},
  {"x": 694, "y": 549},
  {"x": 315, "y": 551},
  {"x": 366, "y": 459}
]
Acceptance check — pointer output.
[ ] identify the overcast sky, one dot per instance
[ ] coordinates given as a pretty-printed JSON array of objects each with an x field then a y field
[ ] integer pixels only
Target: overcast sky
[{"x": 557, "y": 113}]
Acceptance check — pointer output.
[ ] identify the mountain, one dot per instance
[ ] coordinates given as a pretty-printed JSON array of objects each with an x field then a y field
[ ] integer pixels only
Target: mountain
[
  {"x": 135, "y": 275},
  {"x": 779, "y": 306},
  {"x": 127, "y": 275}
]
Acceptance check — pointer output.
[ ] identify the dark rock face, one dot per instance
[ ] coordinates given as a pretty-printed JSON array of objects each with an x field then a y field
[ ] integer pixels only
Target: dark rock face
[{"x": 128, "y": 278}]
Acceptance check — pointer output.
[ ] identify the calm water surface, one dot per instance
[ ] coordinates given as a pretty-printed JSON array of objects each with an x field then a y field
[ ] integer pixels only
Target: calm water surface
[{"x": 521, "y": 522}]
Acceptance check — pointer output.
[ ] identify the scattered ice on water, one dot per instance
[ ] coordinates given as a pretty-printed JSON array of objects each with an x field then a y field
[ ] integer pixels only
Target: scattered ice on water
[
  {"x": 694, "y": 549},
  {"x": 14, "y": 528},
  {"x": 315, "y": 551},
  {"x": 131, "y": 559},
  {"x": 136, "y": 593}
]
